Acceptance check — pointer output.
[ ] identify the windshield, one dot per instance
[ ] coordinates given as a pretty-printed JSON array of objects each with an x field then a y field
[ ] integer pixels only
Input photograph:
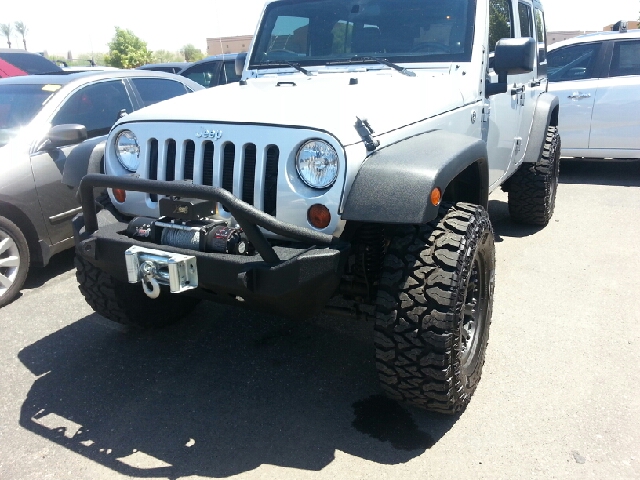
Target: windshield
[
  {"x": 19, "y": 104},
  {"x": 318, "y": 32}
]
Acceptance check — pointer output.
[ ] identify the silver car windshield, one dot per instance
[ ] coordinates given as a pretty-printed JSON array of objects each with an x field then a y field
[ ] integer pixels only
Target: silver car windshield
[
  {"x": 19, "y": 104},
  {"x": 321, "y": 32}
]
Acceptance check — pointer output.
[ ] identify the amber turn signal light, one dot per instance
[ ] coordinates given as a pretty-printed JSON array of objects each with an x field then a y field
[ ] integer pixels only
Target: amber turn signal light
[
  {"x": 121, "y": 195},
  {"x": 319, "y": 216},
  {"x": 436, "y": 196}
]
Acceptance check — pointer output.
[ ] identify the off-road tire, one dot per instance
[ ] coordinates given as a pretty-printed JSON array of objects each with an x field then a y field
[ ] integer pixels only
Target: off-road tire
[
  {"x": 126, "y": 303},
  {"x": 425, "y": 309},
  {"x": 532, "y": 189},
  {"x": 14, "y": 261}
]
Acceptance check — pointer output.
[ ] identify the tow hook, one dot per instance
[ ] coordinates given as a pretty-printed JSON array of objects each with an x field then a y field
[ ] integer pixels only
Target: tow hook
[{"x": 150, "y": 285}]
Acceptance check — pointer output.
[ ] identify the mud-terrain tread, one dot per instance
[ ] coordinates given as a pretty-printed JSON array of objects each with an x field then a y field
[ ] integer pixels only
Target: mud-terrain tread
[
  {"x": 126, "y": 303},
  {"x": 420, "y": 297},
  {"x": 533, "y": 187}
]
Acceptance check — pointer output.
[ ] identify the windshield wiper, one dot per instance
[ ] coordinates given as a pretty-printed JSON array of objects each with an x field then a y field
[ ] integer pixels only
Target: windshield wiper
[
  {"x": 382, "y": 61},
  {"x": 286, "y": 62}
]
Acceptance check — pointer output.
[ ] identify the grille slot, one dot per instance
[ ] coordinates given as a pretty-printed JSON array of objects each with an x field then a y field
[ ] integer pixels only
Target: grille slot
[
  {"x": 189, "y": 157},
  {"x": 271, "y": 180},
  {"x": 229, "y": 161},
  {"x": 171, "y": 161},
  {"x": 153, "y": 165},
  {"x": 249, "y": 173},
  {"x": 207, "y": 164}
]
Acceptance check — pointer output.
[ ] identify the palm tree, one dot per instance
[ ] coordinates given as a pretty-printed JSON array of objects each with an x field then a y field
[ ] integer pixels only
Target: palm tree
[
  {"x": 22, "y": 29},
  {"x": 6, "y": 30}
]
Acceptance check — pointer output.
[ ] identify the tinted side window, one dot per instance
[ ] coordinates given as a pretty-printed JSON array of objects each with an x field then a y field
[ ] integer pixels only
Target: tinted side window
[
  {"x": 97, "y": 107},
  {"x": 526, "y": 21},
  {"x": 154, "y": 90},
  {"x": 626, "y": 59},
  {"x": 576, "y": 62},
  {"x": 204, "y": 73},
  {"x": 500, "y": 22},
  {"x": 228, "y": 73}
]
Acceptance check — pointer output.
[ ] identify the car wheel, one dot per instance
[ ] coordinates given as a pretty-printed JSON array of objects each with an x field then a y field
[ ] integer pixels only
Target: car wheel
[
  {"x": 532, "y": 189},
  {"x": 433, "y": 309},
  {"x": 126, "y": 303},
  {"x": 14, "y": 261}
]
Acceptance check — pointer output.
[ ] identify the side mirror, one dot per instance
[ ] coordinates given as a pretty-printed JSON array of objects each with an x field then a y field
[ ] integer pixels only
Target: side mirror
[
  {"x": 513, "y": 56},
  {"x": 240, "y": 61},
  {"x": 63, "y": 135}
]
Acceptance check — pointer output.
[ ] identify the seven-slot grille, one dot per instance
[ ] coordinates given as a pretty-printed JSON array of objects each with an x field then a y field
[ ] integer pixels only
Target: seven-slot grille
[{"x": 249, "y": 172}]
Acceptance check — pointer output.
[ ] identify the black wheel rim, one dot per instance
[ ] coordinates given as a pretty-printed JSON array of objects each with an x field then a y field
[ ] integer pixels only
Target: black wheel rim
[{"x": 474, "y": 314}]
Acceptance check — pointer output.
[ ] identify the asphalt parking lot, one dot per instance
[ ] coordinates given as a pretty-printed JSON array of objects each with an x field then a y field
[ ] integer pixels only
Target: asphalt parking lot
[{"x": 231, "y": 393}]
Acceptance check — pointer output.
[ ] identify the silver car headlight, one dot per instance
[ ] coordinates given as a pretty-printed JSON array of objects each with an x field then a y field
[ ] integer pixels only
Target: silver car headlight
[
  {"x": 317, "y": 164},
  {"x": 128, "y": 150}
]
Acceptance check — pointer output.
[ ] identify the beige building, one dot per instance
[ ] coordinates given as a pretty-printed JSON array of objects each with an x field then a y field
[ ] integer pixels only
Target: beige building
[
  {"x": 631, "y": 25},
  {"x": 560, "y": 35},
  {"x": 220, "y": 45}
]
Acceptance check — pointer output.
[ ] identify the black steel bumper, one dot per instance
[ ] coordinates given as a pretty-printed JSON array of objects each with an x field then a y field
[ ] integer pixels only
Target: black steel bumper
[{"x": 296, "y": 279}]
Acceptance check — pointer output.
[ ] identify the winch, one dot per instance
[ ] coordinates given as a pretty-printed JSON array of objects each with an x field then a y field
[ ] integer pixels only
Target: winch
[{"x": 184, "y": 223}]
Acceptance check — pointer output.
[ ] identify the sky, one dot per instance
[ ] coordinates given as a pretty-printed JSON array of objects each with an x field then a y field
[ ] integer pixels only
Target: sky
[{"x": 79, "y": 27}]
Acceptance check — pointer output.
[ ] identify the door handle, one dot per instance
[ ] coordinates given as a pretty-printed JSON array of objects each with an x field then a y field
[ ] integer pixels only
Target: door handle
[{"x": 578, "y": 95}]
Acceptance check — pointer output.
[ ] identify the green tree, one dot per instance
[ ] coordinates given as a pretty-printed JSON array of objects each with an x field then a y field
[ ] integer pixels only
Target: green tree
[
  {"x": 6, "y": 29},
  {"x": 22, "y": 29},
  {"x": 191, "y": 53},
  {"x": 126, "y": 50}
]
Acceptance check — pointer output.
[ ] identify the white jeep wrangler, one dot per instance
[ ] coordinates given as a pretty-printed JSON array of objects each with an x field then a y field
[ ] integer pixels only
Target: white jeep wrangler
[{"x": 349, "y": 172}]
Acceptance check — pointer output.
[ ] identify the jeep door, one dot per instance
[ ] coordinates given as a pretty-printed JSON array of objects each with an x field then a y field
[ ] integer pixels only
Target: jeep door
[
  {"x": 97, "y": 107},
  {"x": 503, "y": 140},
  {"x": 614, "y": 123},
  {"x": 531, "y": 21}
]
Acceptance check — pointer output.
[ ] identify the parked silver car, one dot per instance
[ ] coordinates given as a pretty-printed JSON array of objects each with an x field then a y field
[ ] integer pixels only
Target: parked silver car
[{"x": 47, "y": 122}]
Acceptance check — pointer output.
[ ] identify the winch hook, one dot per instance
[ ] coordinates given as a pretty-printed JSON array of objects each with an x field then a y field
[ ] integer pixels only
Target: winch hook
[{"x": 150, "y": 285}]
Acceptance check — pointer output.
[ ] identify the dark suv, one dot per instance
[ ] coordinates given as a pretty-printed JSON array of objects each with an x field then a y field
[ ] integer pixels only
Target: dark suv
[
  {"x": 213, "y": 71},
  {"x": 15, "y": 63}
]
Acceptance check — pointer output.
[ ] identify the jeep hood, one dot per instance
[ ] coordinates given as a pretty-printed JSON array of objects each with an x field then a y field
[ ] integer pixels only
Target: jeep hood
[{"x": 326, "y": 102}]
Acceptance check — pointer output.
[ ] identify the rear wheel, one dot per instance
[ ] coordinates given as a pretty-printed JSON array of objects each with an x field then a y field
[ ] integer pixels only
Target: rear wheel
[
  {"x": 433, "y": 309},
  {"x": 532, "y": 189},
  {"x": 126, "y": 303},
  {"x": 14, "y": 261}
]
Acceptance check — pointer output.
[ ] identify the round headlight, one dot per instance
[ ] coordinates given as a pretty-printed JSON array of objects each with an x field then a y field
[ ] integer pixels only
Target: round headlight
[
  {"x": 317, "y": 164},
  {"x": 128, "y": 150}
]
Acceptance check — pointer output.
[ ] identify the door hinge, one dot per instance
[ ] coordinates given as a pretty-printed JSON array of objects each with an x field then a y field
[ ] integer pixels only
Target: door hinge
[
  {"x": 486, "y": 113},
  {"x": 518, "y": 145}
]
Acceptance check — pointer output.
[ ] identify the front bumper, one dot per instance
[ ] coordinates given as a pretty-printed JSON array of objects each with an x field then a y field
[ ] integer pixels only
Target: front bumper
[{"x": 296, "y": 279}]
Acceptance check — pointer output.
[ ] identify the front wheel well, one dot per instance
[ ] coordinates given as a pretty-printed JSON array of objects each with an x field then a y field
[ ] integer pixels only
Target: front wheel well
[{"x": 469, "y": 186}]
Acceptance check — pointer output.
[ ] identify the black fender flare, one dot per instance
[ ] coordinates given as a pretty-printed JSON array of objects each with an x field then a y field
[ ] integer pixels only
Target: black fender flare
[
  {"x": 394, "y": 184},
  {"x": 79, "y": 165},
  {"x": 545, "y": 115}
]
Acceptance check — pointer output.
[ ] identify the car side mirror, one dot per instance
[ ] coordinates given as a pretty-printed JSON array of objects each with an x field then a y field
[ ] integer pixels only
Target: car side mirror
[
  {"x": 512, "y": 56},
  {"x": 240, "y": 61},
  {"x": 63, "y": 135}
]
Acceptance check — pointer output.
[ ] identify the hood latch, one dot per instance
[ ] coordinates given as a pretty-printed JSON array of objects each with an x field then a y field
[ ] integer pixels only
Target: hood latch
[{"x": 364, "y": 130}]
